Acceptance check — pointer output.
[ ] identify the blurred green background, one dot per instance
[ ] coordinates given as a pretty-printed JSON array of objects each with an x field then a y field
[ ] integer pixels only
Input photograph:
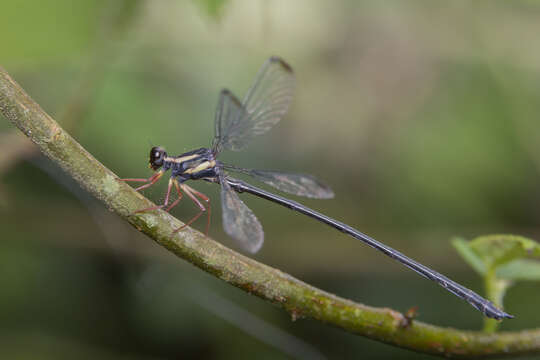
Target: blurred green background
[{"x": 422, "y": 116}]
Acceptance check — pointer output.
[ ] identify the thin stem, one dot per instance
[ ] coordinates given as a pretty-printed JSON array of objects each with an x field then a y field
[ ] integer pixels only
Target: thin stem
[{"x": 495, "y": 290}]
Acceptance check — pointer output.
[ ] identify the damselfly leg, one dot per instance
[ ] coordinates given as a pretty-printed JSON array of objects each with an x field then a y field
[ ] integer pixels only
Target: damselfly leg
[
  {"x": 180, "y": 196},
  {"x": 151, "y": 180},
  {"x": 193, "y": 194},
  {"x": 165, "y": 203}
]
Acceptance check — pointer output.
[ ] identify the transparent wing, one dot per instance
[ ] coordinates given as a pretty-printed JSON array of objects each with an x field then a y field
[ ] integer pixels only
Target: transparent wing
[
  {"x": 229, "y": 116},
  {"x": 239, "y": 221},
  {"x": 265, "y": 103},
  {"x": 268, "y": 99},
  {"x": 296, "y": 184}
]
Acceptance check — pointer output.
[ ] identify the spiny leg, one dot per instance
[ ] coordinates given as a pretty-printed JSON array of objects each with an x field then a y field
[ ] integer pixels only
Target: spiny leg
[
  {"x": 207, "y": 199},
  {"x": 180, "y": 195},
  {"x": 151, "y": 180},
  {"x": 190, "y": 192},
  {"x": 165, "y": 203}
]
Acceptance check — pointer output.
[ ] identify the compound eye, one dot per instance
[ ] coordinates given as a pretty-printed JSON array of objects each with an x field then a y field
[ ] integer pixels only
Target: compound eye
[
  {"x": 157, "y": 152},
  {"x": 157, "y": 155}
]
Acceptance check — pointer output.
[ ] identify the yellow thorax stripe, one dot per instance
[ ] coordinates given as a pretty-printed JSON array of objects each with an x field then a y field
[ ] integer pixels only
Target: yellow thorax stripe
[
  {"x": 182, "y": 158},
  {"x": 202, "y": 166}
]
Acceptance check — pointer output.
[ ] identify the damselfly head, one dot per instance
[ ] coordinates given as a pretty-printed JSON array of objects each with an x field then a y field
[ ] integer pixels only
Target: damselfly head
[{"x": 157, "y": 155}]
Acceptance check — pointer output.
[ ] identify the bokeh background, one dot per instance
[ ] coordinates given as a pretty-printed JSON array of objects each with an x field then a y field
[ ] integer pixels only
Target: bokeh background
[{"x": 423, "y": 116}]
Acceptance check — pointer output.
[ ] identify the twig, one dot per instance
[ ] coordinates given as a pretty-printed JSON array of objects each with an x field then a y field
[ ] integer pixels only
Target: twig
[{"x": 299, "y": 299}]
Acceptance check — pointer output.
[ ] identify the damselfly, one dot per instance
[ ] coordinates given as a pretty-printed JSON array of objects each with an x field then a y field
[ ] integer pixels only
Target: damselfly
[{"x": 236, "y": 123}]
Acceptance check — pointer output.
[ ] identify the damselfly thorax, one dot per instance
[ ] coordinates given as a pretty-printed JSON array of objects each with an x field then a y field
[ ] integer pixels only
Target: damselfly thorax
[{"x": 192, "y": 165}]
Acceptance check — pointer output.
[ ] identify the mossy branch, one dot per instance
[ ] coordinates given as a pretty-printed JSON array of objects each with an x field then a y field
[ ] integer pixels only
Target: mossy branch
[{"x": 296, "y": 297}]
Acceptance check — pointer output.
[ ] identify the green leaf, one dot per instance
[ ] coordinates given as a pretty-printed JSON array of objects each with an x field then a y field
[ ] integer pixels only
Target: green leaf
[
  {"x": 469, "y": 255},
  {"x": 520, "y": 269},
  {"x": 496, "y": 250},
  {"x": 500, "y": 260}
]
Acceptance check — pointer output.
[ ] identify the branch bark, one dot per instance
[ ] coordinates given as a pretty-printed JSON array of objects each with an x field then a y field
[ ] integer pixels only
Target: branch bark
[{"x": 296, "y": 297}]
